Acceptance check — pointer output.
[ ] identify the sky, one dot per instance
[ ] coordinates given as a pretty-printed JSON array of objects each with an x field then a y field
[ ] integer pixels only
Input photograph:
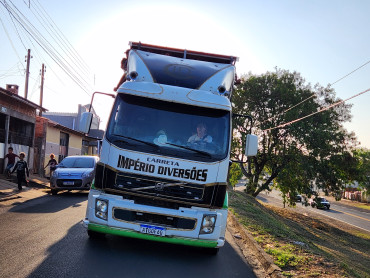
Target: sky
[{"x": 322, "y": 40}]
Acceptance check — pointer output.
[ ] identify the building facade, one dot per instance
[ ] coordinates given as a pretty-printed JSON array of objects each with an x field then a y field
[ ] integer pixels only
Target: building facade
[
  {"x": 54, "y": 138},
  {"x": 17, "y": 124}
]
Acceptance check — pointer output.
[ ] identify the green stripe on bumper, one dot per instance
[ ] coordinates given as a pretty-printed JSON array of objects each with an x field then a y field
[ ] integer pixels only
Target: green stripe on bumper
[
  {"x": 129, "y": 233},
  {"x": 226, "y": 201}
]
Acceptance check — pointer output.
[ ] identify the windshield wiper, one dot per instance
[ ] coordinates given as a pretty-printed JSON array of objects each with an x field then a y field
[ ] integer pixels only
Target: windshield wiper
[
  {"x": 190, "y": 149},
  {"x": 134, "y": 139}
]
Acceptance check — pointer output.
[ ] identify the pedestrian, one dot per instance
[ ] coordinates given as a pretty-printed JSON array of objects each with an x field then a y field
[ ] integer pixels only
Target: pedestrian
[
  {"x": 22, "y": 170},
  {"x": 11, "y": 161},
  {"x": 52, "y": 163}
]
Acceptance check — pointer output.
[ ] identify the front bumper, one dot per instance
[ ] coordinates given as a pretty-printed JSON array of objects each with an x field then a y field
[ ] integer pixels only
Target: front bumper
[
  {"x": 133, "y": 234},
  {"x": 78, "y": 184},
  {"x": 184, "y": 236}
]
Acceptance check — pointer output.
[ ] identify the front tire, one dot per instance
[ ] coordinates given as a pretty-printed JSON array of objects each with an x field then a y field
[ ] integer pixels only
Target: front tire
[{"x": 54, "y": 191}]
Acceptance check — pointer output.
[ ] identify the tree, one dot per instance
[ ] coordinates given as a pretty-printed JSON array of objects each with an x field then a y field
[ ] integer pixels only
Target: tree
[
  {"x": 235, "y": 174},
  {"x": 297, "y": 154},
  {"x": 362, "y": 156}
]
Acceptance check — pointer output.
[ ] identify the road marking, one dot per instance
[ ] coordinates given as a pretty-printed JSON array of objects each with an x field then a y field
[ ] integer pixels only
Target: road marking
[{"x": 351, "y": 214}]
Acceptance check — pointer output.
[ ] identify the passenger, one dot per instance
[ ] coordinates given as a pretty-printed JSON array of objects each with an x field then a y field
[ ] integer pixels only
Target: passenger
[{"x": 201, "y": 136}]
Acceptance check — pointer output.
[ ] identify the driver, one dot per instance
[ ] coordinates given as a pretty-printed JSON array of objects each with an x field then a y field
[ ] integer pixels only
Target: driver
[{"x": 201, "y": 135}]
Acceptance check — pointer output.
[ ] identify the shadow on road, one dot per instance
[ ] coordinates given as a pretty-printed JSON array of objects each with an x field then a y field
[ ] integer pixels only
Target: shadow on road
[
  {"x": 76, "y": 255},
  {"x": 37, "y": 205}
]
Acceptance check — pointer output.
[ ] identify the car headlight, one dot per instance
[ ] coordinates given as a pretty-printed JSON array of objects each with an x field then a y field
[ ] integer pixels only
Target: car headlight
[
  {"x": 55, "y": 174},
  {"x": 101, "y": 209},
  {"x": 208, "y": 224},
  {"x": 87, "y": 174}
]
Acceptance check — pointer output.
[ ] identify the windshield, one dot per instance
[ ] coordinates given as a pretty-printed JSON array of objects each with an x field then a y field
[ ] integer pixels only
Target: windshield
[
  {"x": 77, "y": 162},
  {"x": 172, "y": 129}
]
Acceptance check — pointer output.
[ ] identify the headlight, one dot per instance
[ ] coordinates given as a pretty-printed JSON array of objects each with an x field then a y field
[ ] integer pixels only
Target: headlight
[
  {"x": 208, "y": 224},
  {"x": 87, "y": 174},
  {"x": 55, "y": 174},
  {"x": 101, "y": 209}
]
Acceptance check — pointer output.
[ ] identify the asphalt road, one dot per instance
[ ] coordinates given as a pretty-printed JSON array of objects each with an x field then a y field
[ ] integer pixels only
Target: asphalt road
[
  {"x": 44, "y": 237},
  {"x": 350, "y": 215}
]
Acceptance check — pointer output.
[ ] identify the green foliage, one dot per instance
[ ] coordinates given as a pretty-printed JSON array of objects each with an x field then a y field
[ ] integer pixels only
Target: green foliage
[
  {"x": 284, "y": 256},
  {"x": 235, "y": 174},
  {"x": 363, "y": 168},
  {"x": 316, "y": 148}
]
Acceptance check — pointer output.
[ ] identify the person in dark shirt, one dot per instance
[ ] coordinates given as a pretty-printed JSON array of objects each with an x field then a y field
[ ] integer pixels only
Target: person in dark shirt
[
  {"x": 11, "y": 160},
  {"x": 22, "y": 170},
  {"x": 52, "y": 163}
]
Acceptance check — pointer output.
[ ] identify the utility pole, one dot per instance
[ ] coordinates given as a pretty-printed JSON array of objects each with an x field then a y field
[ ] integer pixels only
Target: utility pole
[
  {"x": 27, "y": 73},
  {"x": 42, "y": 88}
]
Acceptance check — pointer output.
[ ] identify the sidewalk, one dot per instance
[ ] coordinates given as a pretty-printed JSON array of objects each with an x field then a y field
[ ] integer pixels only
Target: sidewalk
[{"x": 9, "y": 187}]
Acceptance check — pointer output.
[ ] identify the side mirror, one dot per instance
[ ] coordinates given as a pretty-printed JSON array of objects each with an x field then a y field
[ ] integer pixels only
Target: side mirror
[
  {"x": 251, "y": 145},
  {"x": 85, "y": 122}
]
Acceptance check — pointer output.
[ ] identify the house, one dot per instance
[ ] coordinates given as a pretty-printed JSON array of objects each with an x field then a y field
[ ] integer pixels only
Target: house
[
  {"x": 17, "y": 124},
  {"x": 72, "y": 120},
  {"x": 62, "y": 141}
]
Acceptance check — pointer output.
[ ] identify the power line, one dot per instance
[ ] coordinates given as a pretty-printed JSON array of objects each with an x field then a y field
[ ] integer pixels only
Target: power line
[
  {"x": 34, "y": 86},
  {"x": 63, "y": 37},
  {"x": 313, "y": 95},
  {"x": 50, "y": 48},
  {"x": 349, "y": 73},
  {"x": 47, "y": 47},
  {"x": 324, "y": 109},
  {"x": 39, "y": 54},
  {"x": 10, "y": 40},
  {"x": 48, "y": 26},
  {"x": 18, "y": 33}
]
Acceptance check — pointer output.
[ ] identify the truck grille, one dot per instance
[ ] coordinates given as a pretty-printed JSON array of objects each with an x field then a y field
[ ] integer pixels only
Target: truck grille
[
  {"x": 162, "y": 188},
  {"x": 151, "y": 218}
]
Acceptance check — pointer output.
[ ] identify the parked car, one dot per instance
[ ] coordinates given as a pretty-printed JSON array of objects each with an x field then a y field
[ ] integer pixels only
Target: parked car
[
  {"x": 298, "y": 198},
  {"x": 74, "y": 173},
  {"x": 319, "y": 202}
]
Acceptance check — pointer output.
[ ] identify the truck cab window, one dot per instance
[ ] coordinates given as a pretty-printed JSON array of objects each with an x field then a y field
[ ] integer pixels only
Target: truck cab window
[{"x": 169, "y": 127}]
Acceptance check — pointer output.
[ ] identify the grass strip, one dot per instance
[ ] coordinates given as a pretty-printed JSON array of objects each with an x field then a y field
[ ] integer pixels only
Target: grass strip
[{"x": 302, "y": 245}]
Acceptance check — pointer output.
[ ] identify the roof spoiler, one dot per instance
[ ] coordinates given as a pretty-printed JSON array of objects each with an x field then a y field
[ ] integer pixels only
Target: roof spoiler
[{"x": 185, "y": 54}]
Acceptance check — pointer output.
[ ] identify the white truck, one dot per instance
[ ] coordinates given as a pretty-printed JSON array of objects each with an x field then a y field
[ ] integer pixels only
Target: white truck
[{"x": 165, "y": 155}]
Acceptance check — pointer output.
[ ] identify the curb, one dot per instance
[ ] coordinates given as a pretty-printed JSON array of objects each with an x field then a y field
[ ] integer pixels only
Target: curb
[{"x": 266, "y": 261}]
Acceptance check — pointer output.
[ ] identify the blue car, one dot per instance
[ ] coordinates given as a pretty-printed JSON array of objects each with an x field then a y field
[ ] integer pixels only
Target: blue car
[{"x": 74, "y": 173}]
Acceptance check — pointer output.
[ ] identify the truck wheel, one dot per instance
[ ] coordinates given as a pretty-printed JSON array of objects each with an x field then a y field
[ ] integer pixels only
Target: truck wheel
[
  {"x": 95, "y": 235},
  {"x": 54, "y": 192}
]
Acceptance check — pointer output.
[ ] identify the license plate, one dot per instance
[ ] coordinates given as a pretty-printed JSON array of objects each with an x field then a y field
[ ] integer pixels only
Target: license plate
[
  {"x": 68, "y": 183},
  {"x": 152, "y": 230}
]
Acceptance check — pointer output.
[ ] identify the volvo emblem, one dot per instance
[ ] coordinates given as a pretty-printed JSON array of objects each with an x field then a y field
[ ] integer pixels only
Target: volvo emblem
[{"x": 159, "y": 186}]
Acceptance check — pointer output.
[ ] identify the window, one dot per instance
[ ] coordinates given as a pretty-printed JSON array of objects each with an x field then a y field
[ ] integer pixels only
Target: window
[
  {"x": 20, "y": 132},
  {"x": 85, "y": 147},
  {"x": 63, "y": 146},
  {"x": 155, "y": 126}
]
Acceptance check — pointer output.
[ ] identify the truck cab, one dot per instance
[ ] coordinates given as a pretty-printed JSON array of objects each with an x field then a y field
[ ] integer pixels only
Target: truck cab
[{"x": 162, "y": 173}]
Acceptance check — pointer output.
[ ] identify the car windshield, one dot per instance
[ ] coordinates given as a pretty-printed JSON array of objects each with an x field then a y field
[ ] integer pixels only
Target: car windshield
[
  {"x": 77, "y": 162},
  {"x": 172, "y": 129}
]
